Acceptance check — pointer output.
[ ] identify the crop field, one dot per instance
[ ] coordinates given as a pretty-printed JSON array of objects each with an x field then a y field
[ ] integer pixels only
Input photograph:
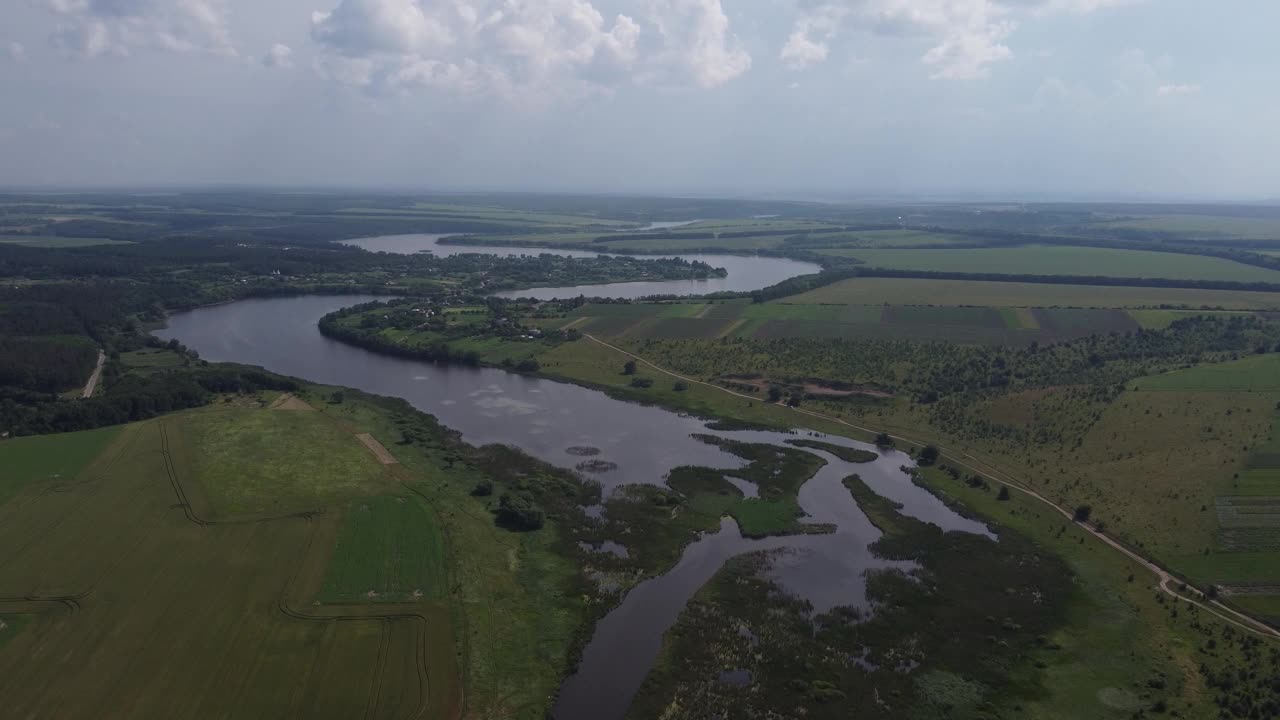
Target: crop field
[
  {"x": 398, "y": 532},
  {"x": 1258, "y": 373},
  {"x": 918, "y": 291},
  {"x": 1206, "y": 227},
  {"x": 56, "y": 241},
  {"x": 897, "y": 238},
  {"x": 781, "y": 320},
  {"x": 123, "y": 600},
  {"x": 49, "y": 458},
  {"x": 1063, "y": 260}
]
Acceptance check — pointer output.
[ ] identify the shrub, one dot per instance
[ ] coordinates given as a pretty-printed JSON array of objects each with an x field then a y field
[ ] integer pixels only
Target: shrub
[
  {"x": 629, "y": 368},
  {"x": 1004, "y": 493},
  {"x": 929, "y": 455},
  {"x": 1082, "y": 513}
]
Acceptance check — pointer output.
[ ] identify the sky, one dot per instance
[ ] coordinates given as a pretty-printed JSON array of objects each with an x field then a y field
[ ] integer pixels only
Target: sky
[{"x": 817, "y": 99}]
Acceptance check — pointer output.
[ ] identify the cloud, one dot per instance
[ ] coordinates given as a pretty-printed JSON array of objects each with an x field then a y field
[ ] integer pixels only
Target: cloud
[
  {"x": 16, "y": 52},
  {"x": 92, "y": 28},
  {"x": 966, "y": 37},
  {"x": 279, "y": 56},
  {"x": 524, "y": 48},
  {"x": 1174, "y": 89},
  {"x": 697, "y": 46}
]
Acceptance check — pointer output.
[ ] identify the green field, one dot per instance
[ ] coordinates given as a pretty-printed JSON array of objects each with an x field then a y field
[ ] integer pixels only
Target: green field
[
  {"x": 277, "y": 462},
  {"x": 49, "y": 458},
  {"x": 740, "y": 319},
  {"x": 1063, "y": 260},
  {"x": 406, "y": 547},
  {"x": 916, "y": 291},
  {"x": 1206, "y": 227},
  {"x": 129, "y": 608},
  {"x": 1259, "y": 373},
  {"x": 57, "y": 241}
]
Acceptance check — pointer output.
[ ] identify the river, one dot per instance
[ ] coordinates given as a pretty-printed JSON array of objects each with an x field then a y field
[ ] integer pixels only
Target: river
[
  {"x": 546, "y": 419},
  {"x": 746, "y": 272}
]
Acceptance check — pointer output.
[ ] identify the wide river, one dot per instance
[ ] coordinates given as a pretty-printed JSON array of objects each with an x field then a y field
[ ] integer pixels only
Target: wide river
[
  {"x": 746, "y": 272},
  {"x": 545, "y": 419}
]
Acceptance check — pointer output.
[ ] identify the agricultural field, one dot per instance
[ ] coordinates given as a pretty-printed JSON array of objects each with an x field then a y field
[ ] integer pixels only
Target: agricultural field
[
  {"x": 1260, "y": 373},
  {"x": 56, "y": 241},
  {"x": 1062, "y": 260},
  {"x": 1204, "y": 227},
  {"x": 762, "y": 321},
  {"x": 127, "y": 590},
  {"x": 918, "y": 291}
]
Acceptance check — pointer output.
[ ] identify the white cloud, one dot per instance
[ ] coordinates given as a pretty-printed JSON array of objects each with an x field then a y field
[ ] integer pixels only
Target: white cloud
[
  {"x": 523, "y": 47},
  {"x": 697, "y": 45},
  {"x": 91, "y": 28},
  {"x": 966, "y": 37},
  {"x": 16, "y": 52},
  {"x": 279, "y": 56},
  {"x": 1174, "y": 89}
]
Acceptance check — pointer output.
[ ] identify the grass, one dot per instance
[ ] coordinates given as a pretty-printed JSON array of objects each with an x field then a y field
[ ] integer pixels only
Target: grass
[
  {"x": 254, "y": 462},
  {"x": 149, "y": 359},
  {"x": 916, "y": 291},
  {"x": 1063, "y": 260},
  {"x": 49, "y": 458},
  {"x": 1255, "y": 374},
  {"x": 389, "y": 550}
]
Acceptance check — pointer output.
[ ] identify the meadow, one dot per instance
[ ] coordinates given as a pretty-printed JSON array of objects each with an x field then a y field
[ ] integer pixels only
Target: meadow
[{"x": 1062, "y": 260}]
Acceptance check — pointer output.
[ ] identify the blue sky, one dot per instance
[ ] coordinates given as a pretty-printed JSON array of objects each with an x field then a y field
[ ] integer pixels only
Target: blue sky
[{"x": 798, "y": 98}]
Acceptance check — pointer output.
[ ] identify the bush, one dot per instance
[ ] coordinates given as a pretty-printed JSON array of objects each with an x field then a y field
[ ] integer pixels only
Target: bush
[
  {"x": 518, "y": 511},
  {"x": 641, "y": 382},
  {"x": 629, "y": 368},
  {"x": 680, "y": 386},
  {"x": 1082, "y": 513},
  {"x": 484, "y": 488},
  {"x": 883, "y": 440},
  {"x": 528, "y": 365},
  {"x": 1004, "y": 493},
  {"x": 929, "y": 455}
]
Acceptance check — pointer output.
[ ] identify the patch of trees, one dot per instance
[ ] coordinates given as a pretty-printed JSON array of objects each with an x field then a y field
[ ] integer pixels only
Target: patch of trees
[
  {"x": 135, "y": 398},
  {"x": 45, "y": 364}
]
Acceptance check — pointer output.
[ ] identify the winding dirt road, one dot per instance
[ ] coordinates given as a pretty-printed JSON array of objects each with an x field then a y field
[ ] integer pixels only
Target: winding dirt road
[{"x": 1165, "y": 578}]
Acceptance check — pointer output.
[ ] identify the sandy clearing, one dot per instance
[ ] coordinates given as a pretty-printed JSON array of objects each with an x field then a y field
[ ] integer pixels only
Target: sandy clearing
[{"x": 375, "y": 447}]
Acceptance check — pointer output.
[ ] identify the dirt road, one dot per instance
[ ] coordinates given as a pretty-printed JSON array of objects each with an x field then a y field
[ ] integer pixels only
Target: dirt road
[
  {"x": 92, "y": 385},
  {"x": 1165, "y": 578}
]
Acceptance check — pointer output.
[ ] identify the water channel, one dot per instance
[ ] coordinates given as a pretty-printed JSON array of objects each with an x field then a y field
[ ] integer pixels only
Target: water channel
[
  {"x": 549, "y": 420},
  {"x": 746, "y": 272}
]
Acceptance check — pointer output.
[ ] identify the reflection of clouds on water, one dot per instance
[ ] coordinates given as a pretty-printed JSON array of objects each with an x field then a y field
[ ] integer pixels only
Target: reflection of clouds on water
[
  {"x": 490, "y": 389},
  {"x": 448, "y": 402},
  {"x": 534, "y": 390},
  {"x": 505, "y": 406},
  {"x": 419, "y": 377}
]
